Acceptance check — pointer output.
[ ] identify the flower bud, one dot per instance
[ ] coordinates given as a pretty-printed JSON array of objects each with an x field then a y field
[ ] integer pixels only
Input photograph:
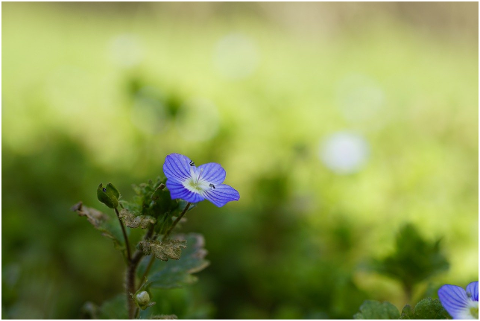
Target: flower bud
[
  {"x": 108, "y": 195},
  {"x": 142, "y": 299}
]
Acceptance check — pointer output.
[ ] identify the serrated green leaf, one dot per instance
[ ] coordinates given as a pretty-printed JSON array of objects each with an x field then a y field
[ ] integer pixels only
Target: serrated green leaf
[
  {"x": 430, "y": 309},
  {"x": 141, "y": 221},
  {"x": 174, "y": 274},
  {"x": 105, "y": 223},
  {"x": 377, "y": 310},
  {"x": 115, "y": 308},
  {"x": 168, "y": 249}
]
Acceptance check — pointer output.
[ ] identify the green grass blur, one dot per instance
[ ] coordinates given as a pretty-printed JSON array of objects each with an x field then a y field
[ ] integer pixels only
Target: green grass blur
[{"x": 102, "y": 92}]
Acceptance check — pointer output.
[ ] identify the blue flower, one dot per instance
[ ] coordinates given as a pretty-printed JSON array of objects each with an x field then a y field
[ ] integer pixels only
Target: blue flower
[
  {"x": 460, "y": 303},
  {"x": 194, "y": 184}
]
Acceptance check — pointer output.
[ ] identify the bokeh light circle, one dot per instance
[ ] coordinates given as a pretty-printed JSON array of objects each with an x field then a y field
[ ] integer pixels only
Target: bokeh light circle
[{"x": 344, "y": 152}]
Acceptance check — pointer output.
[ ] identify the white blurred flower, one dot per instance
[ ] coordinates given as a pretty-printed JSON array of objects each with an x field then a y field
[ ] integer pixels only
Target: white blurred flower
[{"x": 344, "y": 152}]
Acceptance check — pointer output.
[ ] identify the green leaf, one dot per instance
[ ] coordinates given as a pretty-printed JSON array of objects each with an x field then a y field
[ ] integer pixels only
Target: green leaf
[
  {"x": 414, "y": 259},
  {"x": 377, "y": 310},
  {"x": 105, "y": 223},
  {"x": 425, "y": 309},
  {"x": 407, "y": 312},
  {"x": 169, "y": 249},
  {"x": 130, "y": 220},
  {"x": 174, "y": 274},
  {"x": 108, "y": 195},
  {"x": 430, "y": 309},
  {"x": 158, "y": 192},
  {"x": 115, "y": 308},
  {"x": 113, "y": 191}
]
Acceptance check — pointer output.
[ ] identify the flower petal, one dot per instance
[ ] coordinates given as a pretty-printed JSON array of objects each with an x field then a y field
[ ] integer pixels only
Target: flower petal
[
  {"x": 454, "y": 299},
  {"x": 472, "y": 288},
  {"x": 177, "y": 190},
  {"x": 177, "y": 167},
  {"x": 212, "y": 173},
  {"x": 221, "y": 195}
]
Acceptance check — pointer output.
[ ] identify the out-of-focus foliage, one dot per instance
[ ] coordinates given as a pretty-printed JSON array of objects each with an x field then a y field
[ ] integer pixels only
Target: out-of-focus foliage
[
  {"x": 414, "y": 260},
  {"x": 113, "y": 309},
  {"x": 377, "y": 310},
  {"x": 101, "y": 92},
  {"x": 425, "y": 309}
]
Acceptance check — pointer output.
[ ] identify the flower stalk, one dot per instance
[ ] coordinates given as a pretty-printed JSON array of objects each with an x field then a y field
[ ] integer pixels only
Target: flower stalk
[
  {"x": 127, "y": 244},
  {"x": 176, "y": 221}
]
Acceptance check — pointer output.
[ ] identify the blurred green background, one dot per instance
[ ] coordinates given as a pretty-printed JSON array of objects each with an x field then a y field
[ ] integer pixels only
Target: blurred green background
[{"x": 338, "y": 123}]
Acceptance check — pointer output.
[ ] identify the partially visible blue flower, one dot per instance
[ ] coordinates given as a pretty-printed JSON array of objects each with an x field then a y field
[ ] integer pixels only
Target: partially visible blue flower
[
  {"x": 460, "y": 303},
  {"x": 194, "y": 184}
]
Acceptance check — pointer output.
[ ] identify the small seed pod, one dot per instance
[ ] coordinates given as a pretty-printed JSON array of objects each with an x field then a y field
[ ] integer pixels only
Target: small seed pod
[{"x": 108, "y": 195}]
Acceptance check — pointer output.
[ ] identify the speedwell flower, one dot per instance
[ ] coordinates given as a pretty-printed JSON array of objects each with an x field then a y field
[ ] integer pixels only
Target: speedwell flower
[
  {"x": 460, "y": 303},
  {"x": 194, "y": 184}
]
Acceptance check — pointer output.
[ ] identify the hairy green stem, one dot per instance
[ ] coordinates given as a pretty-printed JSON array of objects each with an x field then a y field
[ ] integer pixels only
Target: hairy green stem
[{"x": 176, "y": 221}]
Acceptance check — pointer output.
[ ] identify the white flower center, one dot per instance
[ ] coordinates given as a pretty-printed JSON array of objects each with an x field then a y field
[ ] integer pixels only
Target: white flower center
[
  {"x": 195, "y": 183},
  {"x": 474, "y": 309},
  {"x": 470, "y": 311}
]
